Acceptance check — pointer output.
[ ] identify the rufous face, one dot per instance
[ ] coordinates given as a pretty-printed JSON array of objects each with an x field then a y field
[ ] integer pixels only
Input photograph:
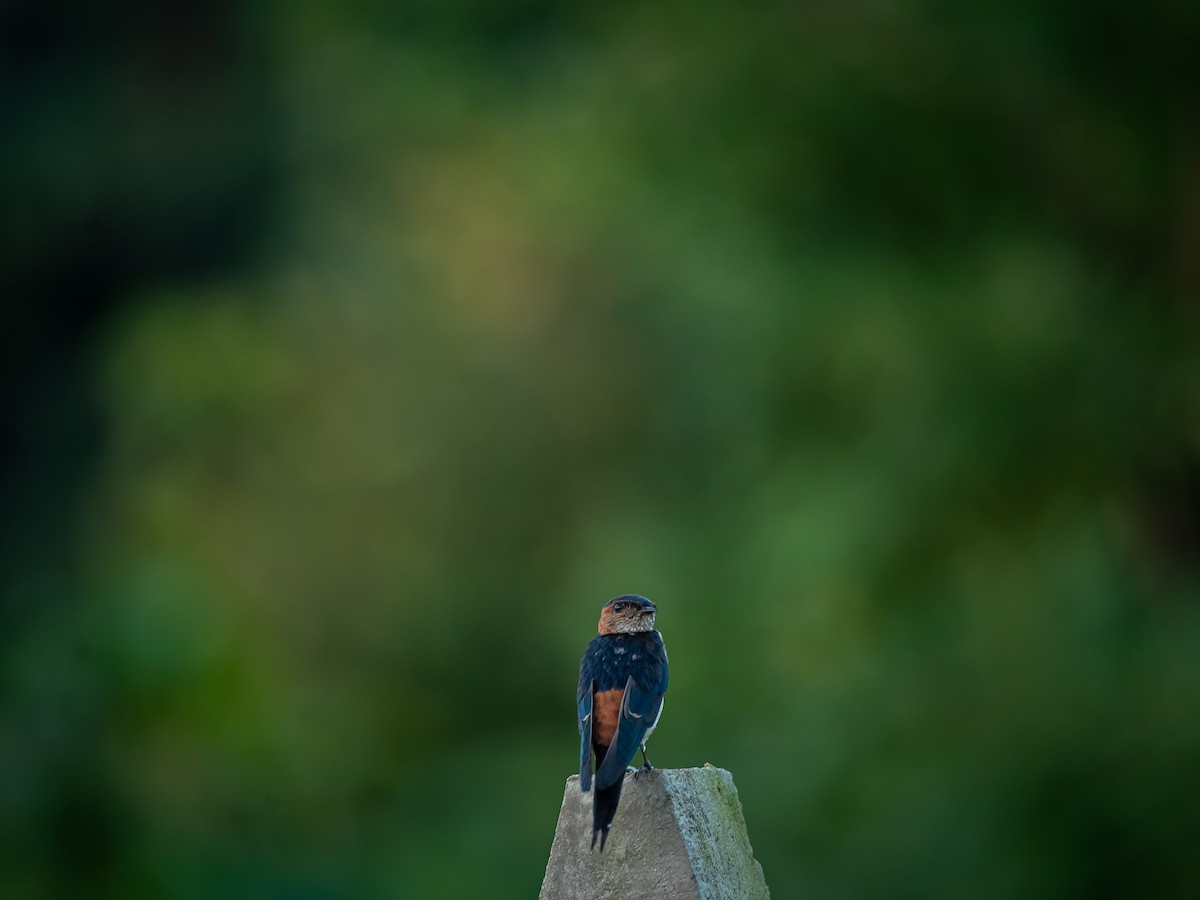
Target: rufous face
[{"x": 627, "y": 615}]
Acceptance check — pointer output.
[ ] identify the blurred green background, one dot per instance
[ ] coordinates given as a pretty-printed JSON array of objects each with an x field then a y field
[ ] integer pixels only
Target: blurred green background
[{"x": 355, "y": 353}]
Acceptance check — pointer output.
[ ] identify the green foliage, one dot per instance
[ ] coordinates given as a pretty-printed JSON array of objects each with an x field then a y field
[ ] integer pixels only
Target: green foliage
[{"x": 861, "y": 338}]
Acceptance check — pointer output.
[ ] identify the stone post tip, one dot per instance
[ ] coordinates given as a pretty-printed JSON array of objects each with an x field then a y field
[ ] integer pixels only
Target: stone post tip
[{"x": 679, "y": 834}]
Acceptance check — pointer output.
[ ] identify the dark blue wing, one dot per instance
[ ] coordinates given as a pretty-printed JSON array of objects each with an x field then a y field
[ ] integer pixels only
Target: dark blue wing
[
  {"x": 585, "y": 737},
  {"x": 639, "y": 713}
]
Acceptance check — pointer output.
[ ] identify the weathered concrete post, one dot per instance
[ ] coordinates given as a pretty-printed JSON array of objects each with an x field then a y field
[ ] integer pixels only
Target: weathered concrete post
[{"x": 679, "y": 835}]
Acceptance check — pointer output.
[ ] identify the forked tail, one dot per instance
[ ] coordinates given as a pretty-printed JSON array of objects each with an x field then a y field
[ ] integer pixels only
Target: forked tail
[{"x": 604, "y": 807}]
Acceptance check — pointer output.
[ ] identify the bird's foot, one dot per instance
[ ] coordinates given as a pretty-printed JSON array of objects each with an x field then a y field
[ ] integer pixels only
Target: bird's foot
[{"x": 646, "y": 767}]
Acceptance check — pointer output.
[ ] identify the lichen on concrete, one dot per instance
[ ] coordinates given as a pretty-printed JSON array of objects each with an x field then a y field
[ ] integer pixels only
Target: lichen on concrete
[{"x": 709, "y": 815}]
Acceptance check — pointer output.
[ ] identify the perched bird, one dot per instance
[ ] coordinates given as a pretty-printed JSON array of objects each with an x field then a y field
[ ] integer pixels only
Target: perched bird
[{"x": 622, "y": 679}]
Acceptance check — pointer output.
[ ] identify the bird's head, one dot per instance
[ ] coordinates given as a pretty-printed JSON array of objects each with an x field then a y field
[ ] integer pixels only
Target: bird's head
[{"x": 627, "y": 614}]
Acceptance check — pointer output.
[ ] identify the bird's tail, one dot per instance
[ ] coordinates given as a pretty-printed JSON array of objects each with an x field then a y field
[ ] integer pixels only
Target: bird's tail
[{"x": 604, "y": 807}]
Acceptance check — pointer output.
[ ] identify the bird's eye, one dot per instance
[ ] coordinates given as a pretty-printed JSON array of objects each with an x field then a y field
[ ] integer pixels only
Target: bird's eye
[{"x": 617, "y": 607}]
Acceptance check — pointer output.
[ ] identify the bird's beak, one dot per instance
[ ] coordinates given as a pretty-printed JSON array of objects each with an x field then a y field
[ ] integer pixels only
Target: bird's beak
[{"x": 649, "y": 609}]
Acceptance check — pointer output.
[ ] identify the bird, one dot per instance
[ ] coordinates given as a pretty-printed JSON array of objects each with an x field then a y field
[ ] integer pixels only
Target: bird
[{"x": 622, "y": 680}]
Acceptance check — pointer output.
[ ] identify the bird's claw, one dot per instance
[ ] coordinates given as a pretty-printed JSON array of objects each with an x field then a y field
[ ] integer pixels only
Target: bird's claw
[{"x": 646, "y": 767}]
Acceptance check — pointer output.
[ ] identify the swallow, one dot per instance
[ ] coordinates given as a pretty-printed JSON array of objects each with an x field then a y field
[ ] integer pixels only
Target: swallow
[{"x": 622, "y": 680}]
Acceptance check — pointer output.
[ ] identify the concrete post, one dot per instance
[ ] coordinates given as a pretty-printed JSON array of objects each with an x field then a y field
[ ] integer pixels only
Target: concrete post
[{"x": 678, "y": 835}]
